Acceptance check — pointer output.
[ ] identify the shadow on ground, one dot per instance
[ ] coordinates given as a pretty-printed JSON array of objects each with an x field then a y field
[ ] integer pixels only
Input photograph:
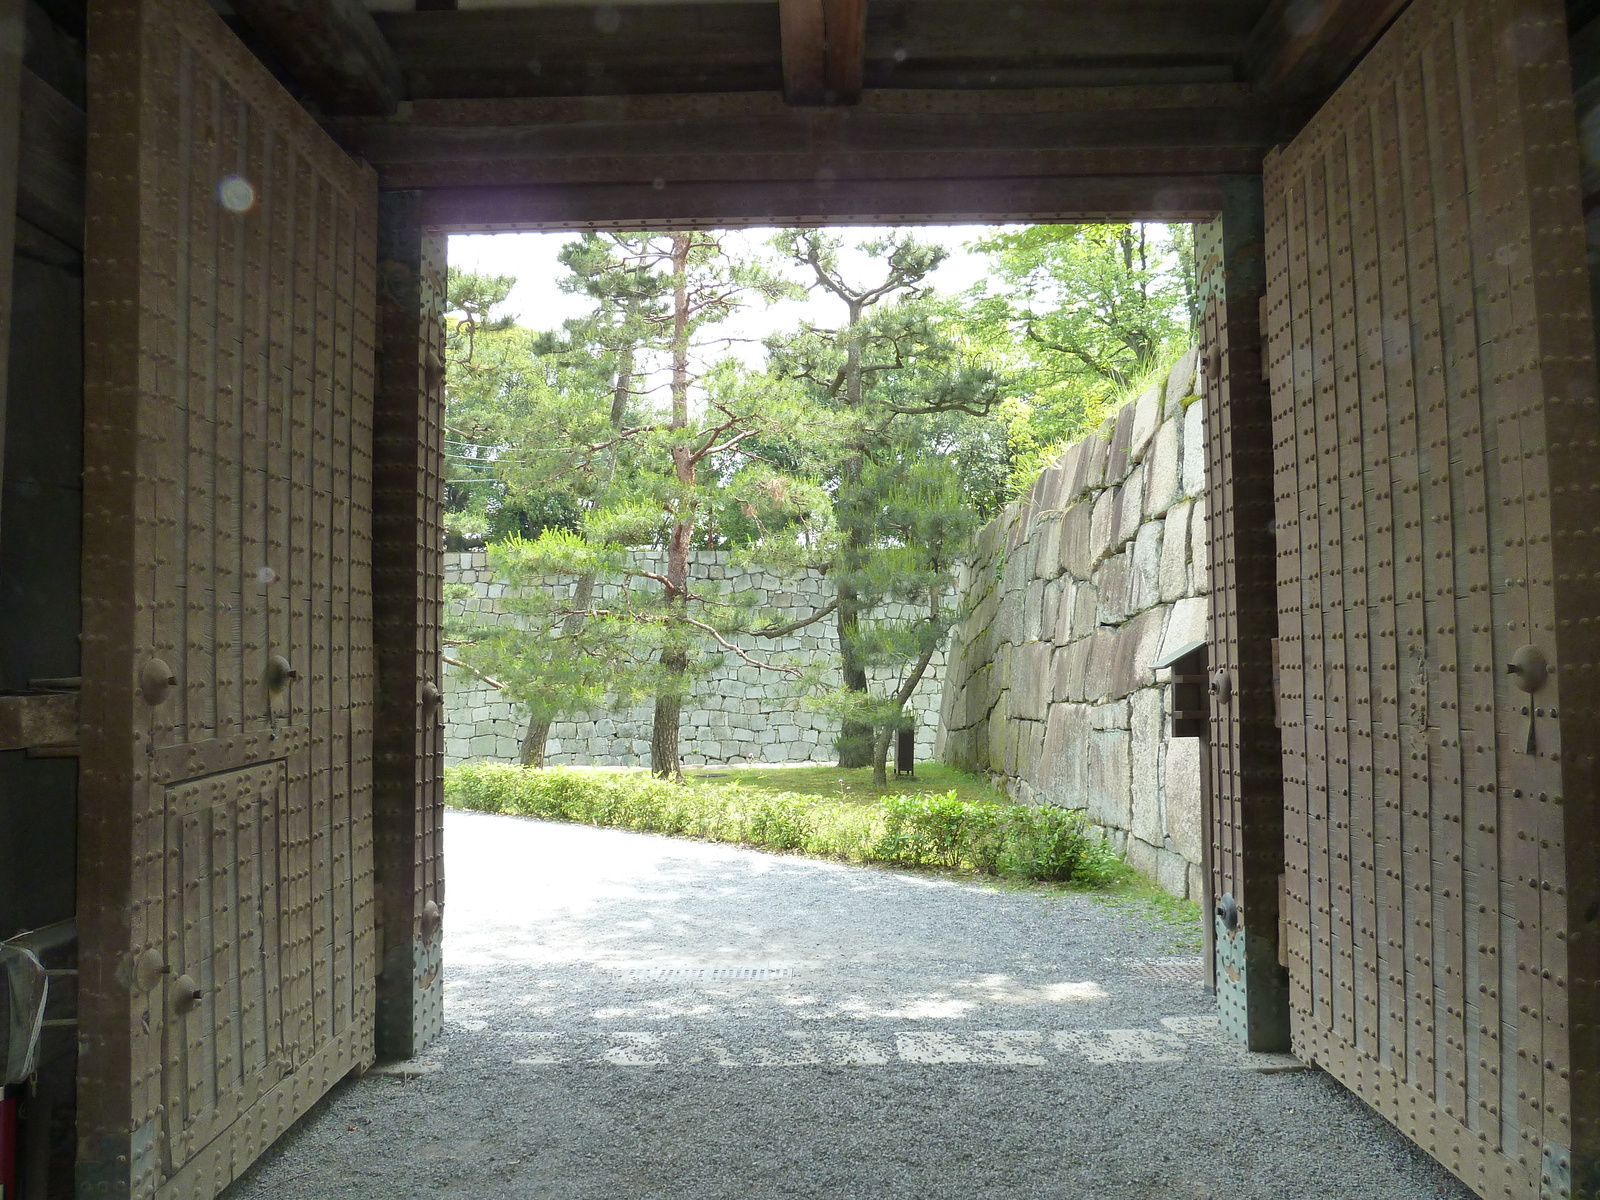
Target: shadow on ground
[{"x": 634, "y": 1017}]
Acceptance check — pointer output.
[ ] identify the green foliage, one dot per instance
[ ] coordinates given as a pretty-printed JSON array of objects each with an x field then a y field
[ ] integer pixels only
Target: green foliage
[
  {"x": 1082, "y": 313},
  {"x": 942, "y": 831}
]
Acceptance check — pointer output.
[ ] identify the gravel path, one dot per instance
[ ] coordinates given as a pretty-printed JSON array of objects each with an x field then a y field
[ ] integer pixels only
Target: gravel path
[{"x": 635, "y": 1017}]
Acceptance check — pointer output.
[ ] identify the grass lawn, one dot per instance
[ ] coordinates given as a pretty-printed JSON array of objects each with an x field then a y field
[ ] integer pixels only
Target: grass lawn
[{"x": 854, "y": 784}]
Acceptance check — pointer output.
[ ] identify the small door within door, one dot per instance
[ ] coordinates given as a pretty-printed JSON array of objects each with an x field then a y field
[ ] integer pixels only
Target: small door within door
[{"x": 226, "y": 899}]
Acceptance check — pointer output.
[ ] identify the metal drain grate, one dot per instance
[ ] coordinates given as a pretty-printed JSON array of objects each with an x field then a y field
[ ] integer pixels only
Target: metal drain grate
[
  {"x": 675, "y": 974},
  {"x": 1169, "y": 970}
]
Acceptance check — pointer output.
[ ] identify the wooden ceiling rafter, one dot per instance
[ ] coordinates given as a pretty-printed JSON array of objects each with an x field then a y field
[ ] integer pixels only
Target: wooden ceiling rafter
[
  {"x": 824, "y": 50},
  {"x": 1304, "y": 49},
  {"x": 331, "y": 48}
]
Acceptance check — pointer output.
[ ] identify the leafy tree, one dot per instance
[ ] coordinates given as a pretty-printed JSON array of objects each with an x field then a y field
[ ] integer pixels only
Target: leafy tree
[
  {"x": 647, "y": 469},
  {"x": 1084, "y": 312},
  {"x": 892, "y": 375}
]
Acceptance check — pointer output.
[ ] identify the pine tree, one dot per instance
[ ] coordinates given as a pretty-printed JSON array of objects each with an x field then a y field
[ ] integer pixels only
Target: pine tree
[{"x": 893, "y": 374}]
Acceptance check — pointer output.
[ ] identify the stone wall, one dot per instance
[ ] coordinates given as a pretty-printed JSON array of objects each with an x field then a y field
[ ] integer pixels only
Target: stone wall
[
  {"x": 1076, "y": 590},
  {"x": 739, "y": 714}
]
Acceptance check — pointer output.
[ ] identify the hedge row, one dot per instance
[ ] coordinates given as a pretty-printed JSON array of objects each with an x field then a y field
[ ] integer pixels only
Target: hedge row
[{"x": 911, "y": 831}]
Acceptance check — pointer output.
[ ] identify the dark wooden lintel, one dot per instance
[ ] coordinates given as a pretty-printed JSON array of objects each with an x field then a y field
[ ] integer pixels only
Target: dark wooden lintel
[
  {"x": 731, "y": 203},
  {"x": 332, "y": 49},
  {"x": 1172, "y": 130},
  {"x": 1304, "y": 50}
]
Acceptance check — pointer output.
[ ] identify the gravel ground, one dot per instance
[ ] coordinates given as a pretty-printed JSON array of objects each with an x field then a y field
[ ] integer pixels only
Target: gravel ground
[{"x": 635, "y": 1017}]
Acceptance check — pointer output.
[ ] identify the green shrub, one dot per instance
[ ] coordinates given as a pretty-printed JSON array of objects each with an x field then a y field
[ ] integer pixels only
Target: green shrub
[{"x": 941, "y": 831}]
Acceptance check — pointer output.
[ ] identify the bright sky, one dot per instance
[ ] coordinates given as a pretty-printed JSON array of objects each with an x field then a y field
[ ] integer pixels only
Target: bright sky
[{"x": 537, "y": 303}]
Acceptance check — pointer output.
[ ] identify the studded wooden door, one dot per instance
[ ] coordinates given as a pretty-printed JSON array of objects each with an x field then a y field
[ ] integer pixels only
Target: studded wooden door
[
  {"x": 226, "y": 903},
  {"x": 1433, "y": 383}
]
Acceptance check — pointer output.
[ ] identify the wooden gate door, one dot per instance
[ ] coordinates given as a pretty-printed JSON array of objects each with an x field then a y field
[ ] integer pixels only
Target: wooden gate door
[
  {"x": 226, "y": 904},
  {"x": 1431, "y": 363}
]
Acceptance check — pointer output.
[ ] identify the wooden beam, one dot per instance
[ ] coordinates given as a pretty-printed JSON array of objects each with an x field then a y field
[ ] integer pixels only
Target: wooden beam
[
  {"x": 562, "y": 50},
  {"x": 805, "y": 54},
  {"x": 38, "y": 720},
  {"x": 332, "y": 48},
  {"x": 1210, "y": 129},
  {"x": 13, "y": 37},
  {"x": 824, "y": 48},
  {"x": 733, "y": 203},
  {"x": 50, "y": 173},
  {"x": 846, "y": 50},
  {"x": 1304, "y": 50}
]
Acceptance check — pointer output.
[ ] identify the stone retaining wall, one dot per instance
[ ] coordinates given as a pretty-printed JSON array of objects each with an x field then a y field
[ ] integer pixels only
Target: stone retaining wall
[
  {"x": 1076, "y": 590},
  {"x": 739, "y": 714}
]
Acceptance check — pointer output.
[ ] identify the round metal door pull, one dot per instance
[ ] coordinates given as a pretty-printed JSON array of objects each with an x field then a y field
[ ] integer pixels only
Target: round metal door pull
[
  {"x": 156, "y": 679},
  {"x": 1222, "y": 685},
  {"x": 149, "y": 969},
  {"x": 186, "y": 993},
  {"x": 278, "y": 674},
  {"x": 1529, "y": 669}
]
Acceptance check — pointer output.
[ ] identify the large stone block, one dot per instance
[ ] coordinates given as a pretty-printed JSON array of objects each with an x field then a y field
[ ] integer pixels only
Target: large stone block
[
  {"x": 1175, "y": 552},
  {"x": 1180, "y": 380},
  {"x": 1031, "y": 625},
  {"x": 1194, "y": 449},
  {"x": 1085, "y": 611},
  {"x": 1172, "y": 874},
  {"x": 1144, "y": 567},
  {"x": 1090, "y": 468},
  {"x": 1070, "y": 464},
  {"x": 1077, "y": 545},
  {"x": 1180, "y": 792},
  {"x": 1030, "y": 752},
  {"x": 1050, "y": 608},
  {"x": 1111, "y": 580},
  {"x": 1064, "y": 765},
  {"x": 1133, "y": 651},
  {"x": 1066, "y": 596},
  {"x": 1118, "y": 464},
  {"x": 1199, "y": 555},
  {"x": 1187, "y": 624},
  {"x": 1163, "y": 478},
  {"x": 1103, "y": 524},
  {"x": 1109, "y": 797},
  {"x": 1031, "y": 680},
  {"x": 1145, "y": 709},
  {"x": 1070, "y": 665},
  {"x": 1098, "y": 679},
  {"x": 1146, "y": 417},
  {"x": 1143, "y": 858},
  {"x": 1130, "y": 506},
  {"x": 1113, "y": 714},
  {"x": 1045, "y": 546},
  {"x": 1047, "y": 491}
]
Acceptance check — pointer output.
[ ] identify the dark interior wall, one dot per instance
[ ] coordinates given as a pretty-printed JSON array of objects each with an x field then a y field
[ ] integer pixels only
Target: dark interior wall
[
  {"x": 41, "y": 510},
  {"x": 41, "y": 514}
]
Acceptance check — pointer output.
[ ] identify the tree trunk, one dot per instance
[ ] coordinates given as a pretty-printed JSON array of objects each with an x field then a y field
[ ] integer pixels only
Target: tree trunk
[
  {"x": 533, "y": 741},
  {"x": 880, "y": 756},
  {"x": 855, "y": 738},
  {"x": 664, "y": 761}
]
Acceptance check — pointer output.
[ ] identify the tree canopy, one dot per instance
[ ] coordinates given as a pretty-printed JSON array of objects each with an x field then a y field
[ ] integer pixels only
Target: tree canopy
[{"x": 863, "y": 443}]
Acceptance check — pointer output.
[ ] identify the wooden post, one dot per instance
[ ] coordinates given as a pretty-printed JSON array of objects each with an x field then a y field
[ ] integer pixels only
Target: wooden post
[
  {"x": 13, "y": 34},
  {"x": 1246, "y": 755},
  {"x": 407, "y": 607}
]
